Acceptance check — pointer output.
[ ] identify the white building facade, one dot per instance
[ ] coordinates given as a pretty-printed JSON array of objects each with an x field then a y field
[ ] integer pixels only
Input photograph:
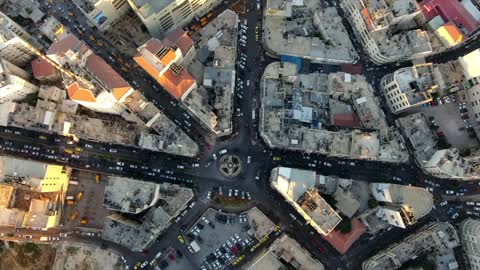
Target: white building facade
[
  {"x": 470, "y": 237},
  {"x": 14, "y": 82},
  {"x": 13, "y": 42},
  {"x": 161, "y": 16},
  {"x": 103, "y": 13}
]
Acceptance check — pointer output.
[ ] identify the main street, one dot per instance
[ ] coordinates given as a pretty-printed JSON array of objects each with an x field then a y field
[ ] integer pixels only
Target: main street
[{"x": 159, "y": 167}]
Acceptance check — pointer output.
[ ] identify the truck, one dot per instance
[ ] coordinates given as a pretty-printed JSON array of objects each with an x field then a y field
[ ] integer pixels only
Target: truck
[
  {"x": 71, "y": 14},
  {"x": 97, "y": 178},
  {"x": 68, "y": 151},
  {"x": 44, "y": 238},
  {"x": 84, "y": 220}
]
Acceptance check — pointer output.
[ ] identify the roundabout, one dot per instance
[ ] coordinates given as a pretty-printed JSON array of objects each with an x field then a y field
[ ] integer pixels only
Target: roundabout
[{"x": 230, "y": 166}]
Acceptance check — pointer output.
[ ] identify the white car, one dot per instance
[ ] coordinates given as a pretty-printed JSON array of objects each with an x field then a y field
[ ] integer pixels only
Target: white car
[
  {"x": 223, "y": 151},
  {"x": 214, "y": 157},
  {"x": 192, "y": 204},
  {"x": 209, "y": 195},
  {"x": 443, "y": 203}
]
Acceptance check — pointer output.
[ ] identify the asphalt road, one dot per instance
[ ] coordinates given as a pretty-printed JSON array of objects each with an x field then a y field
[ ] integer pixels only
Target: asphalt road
[{"x": 159, "y": 167}]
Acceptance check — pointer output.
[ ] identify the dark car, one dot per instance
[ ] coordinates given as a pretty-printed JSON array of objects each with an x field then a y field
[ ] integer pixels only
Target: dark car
[
  {"x": 163, "y": 264},
  {"x": 179, "y": 254}
]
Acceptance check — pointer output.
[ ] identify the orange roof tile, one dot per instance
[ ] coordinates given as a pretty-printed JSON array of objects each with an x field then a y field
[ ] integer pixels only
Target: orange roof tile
[
  {"x": 451, "y": 34},
  {"x": 176, "y": 85},
  {"x": 118, "y": 93},
  {"x": 168, "y": 57},
  {"x": 75, "y": 92},
  {"x": 145, "y": 65}
]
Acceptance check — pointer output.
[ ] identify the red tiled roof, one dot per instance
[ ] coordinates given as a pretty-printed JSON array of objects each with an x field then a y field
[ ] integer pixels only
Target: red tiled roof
[
  {"x": 449, "y": 10},
  {"x": 76, "y": 92},
  {"x": 176, "y": 85},
  {"x": 345, "y": 120},
  {"x": 342, "y": 242},
  {"x": 180, "y": 38},
  {"x": 352, "y": 69},
  {"x": 43, "y": 70},
  {"x": 69, "y": 42},
  {"x": 105, "y": 73},
  {"x": 153, "y": 45}
]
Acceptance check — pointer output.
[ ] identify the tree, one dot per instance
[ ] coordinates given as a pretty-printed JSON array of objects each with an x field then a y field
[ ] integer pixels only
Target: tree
[
  {"x": 345, "y": 226},
  {"x": 372, "y": 203}
]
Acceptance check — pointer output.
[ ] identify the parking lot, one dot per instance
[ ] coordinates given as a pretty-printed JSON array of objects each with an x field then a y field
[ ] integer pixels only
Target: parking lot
[
  {"x": 451, "y": 124},
  {"x": 83, "y": 209},
  {"x": 217, "y": 238}
]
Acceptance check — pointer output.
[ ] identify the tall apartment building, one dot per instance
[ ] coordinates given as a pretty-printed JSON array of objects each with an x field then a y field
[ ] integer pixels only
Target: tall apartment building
[
  {"x": 161, "y": 16},
  {"x": 471, "y": 71},
  {"x": 408, "y": 87},
  {"x": 96, "y": 85},
  {"x": 163, "y": 61},
  {"x": 103, "y": 13},
  {"x": 470, "y": 238},
  {"x": 14, "y": 82},
  {"x": 14, "y": 42},
  {"x": 383, "y": 28},
  {"x": 434, "y": 236},
  {"x": 448, "y": 163}
]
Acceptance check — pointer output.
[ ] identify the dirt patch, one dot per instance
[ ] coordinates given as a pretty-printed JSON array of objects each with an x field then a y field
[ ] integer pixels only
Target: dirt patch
[
  {"x": 81, "y": 257},
  {"x": 232, "y": 203},
  {"x": 26, "y": 256}
]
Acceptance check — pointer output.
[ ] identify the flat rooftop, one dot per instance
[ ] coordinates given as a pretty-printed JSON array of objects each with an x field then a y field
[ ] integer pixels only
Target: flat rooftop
[
  {"x": 128, "y": 195},
  {"x": 264, "y": 226},
  {"x": 306, "y": 29},
  {"x": 298, "y": 187},
  {"x": 416, "y": 128},
  {"x": 317, "y": 112},
  {"x": 441, "y": 236},
  {"x": 12, "y": 168},
  {"x": 286, "y": 251},
  {"x": 221, "y": 31},
  {"x": 136, "y": 232}
]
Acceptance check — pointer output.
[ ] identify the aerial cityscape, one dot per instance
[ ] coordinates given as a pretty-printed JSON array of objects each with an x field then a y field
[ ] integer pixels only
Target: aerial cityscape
[{"x": 240, "y": 135}]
